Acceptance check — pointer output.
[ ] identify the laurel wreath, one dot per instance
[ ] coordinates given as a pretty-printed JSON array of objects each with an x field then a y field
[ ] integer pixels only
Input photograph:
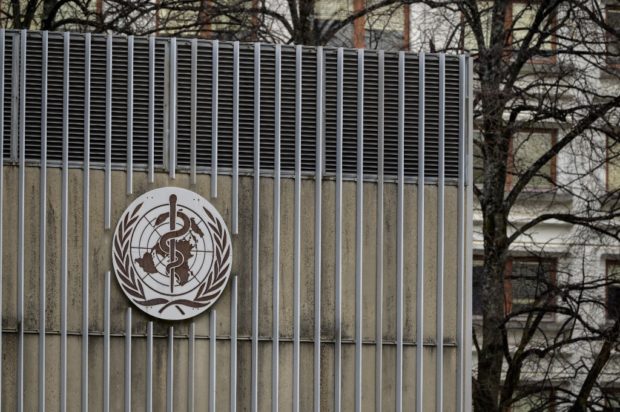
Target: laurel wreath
[{"x": 207, "y": 292}]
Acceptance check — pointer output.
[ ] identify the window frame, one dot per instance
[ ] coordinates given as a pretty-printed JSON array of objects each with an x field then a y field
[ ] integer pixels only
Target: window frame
[
  {"x": 553, "y": 135},
  {"x": 509, "y": 26},
  {"x": 508, "y": 277},
  {"x": 608, "y": 263},
  {"x": 616, "y": 65},
  {"x": 551, "y": 390},
  {"x": 609, "y": 160},
  {"x": 510, "y": 172}
]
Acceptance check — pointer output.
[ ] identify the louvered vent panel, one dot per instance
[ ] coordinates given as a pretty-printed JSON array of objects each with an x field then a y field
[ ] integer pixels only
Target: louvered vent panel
[
  {"x": 225, "y": 106},
  {"x": 141, "y": 102},
  {"x": 349, "y": 111},
  {"x": 371, "y": 113},
  {"x": 204, "y": 104},
  {"x": 204, "y": 91},
  {"x": 8, "y": 91},
  {"x": 33, "y": 98},
  {"x": 246, "y": 108},
  {"x": 309, "y": 110}
]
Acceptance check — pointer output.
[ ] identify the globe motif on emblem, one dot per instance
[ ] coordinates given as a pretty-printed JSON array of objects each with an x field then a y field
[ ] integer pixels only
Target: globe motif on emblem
[{"x": 172, "y": 253}]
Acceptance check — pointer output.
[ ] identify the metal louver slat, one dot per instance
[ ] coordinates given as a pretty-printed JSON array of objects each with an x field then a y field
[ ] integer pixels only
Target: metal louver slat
[{"x": 204, "y": 106}]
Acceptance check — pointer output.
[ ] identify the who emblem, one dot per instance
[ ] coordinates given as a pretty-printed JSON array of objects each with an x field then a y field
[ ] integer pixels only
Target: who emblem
[{"x": 172, "y": 253}]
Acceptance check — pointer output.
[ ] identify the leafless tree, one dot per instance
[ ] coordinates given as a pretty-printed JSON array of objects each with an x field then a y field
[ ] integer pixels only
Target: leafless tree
[{"x": 538, "y": 65}]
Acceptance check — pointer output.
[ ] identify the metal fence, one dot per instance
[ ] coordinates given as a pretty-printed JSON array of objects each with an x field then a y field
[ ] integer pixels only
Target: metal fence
[{"x": 357, "y": 260}]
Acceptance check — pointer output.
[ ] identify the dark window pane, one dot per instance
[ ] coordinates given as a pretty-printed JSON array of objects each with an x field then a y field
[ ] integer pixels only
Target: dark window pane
[
  {"x": 477, "y": 286},
  {"x": 613, "y": 43},
  {"x": 529, "y": 280}
]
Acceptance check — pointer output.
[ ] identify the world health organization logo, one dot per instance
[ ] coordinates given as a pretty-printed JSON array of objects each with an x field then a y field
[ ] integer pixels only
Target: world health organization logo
[{"x": 172, "y": 253}]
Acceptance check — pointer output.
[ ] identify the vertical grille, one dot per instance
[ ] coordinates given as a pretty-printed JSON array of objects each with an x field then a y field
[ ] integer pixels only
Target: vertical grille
[{"x": 204, "y": 94}]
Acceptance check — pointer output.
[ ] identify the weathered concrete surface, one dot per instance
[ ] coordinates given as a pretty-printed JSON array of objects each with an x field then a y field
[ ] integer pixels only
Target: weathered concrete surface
[{"x": 100, "y": 262}]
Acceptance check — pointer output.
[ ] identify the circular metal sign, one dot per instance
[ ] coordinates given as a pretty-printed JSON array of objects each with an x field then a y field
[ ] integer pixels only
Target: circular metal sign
[{"x": 172, "y": 253}]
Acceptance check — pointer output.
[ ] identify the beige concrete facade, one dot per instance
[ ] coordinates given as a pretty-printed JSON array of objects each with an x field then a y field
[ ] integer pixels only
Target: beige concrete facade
[{"x": 100, "y": 262}]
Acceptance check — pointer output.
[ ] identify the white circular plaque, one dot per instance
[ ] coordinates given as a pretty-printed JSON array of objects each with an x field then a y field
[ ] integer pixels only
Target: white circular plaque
[{"x": 172, "y": 253}]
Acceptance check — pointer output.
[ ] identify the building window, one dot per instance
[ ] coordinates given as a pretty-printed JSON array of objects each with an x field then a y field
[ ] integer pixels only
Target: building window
[
  {"x": 613, "y": 289},
  {"x": 533, "y": 398},
  {"x": 613, "y": 166},
  {"x": 527, "y": 281},
  {"x": 613, "y": 42},
  {"x": 477, "y": 286},
  {"x": 519, "y": 18},
  {"x": 527, "y": 147},
  {"x": 611, "y": 399},
  {"x": 388, "y": 29}
]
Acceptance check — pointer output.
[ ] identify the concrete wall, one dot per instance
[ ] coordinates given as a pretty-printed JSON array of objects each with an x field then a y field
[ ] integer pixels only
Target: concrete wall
[{"x": 100, "y": 262}]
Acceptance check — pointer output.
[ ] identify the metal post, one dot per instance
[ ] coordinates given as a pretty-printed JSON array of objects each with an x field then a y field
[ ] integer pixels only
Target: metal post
[
  {"x": 86, "y": 221},
  {"x": 379, "y": 291},
  {"x": 318, "y": 196},
  {"x": 130, "y": 115},
  {"x": 193, "y": 108},
  {"x": 338, "y": 229},
  {"x": 256, "y": 229},
  {"x": 128, "y": 360},
  {"x": 214, "y": 116},
  {"x": 172, "y": 123},
  {"x": 212, "y": 360},
  {"x": 420, "y": 246},
  {"x": 235, "y": 127},
  {"x": 297, "y": 229},
  {"x": 20, "y": 220},
  {"x": 399, "y": 231},
  {"x": 42, "y": 215},
  {"x": 151, "y": 166},
  {"x": 64, "y": 231},
  {"x": 359, "y": 235},
  {"x": 108, "y": 135},
  {"x": 275, "y": 353},
  {"x": 440, "y": 232}
]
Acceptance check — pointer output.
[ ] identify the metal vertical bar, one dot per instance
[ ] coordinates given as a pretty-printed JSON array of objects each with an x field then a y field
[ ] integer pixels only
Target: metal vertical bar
[
  {"x": 399, "y": 231},
  {"x": 420, "y": 246},
  {"x": 338, "y": 226},
  {"x": 151, "y": 166},
  {"x": 190, "y": 367},
  {"x": 172, "y": 123},
  {"x": 233, "y": 346},
  {"x": 256, "y": 229},
  {"x": 297, "y": 229},
  {"x": 460, "y": 235},
  {"x": 440, "y": 231},
  {"x": 86, "y": 220},
  {"x": 379, "y": 284},
  {"x": 130, "y": 115},
  {"x": 468, "y": 241},
  {"x": 214, "y": 116},
  {"x": 359, "y": 235},
  {"x": 42, "y": 217},
  {"x": 2, "y": 71},
  {"x": 108, "y": 136},
  {"x": 149, "y": 367},
  {"x": 128, "y": 360},
  {"x": 235, "y": 137},
  {"x": 64, "y": 231},
  {"x": 318, "y": 200},
  {"x": 212, "y": 360},
  {"x": 106, "y": 344},
  {"x": 193, "y": 108},
  {"x": 170, "y": 372},
  {"x": 275, "y": 346},
  {"x": 20, "y": 219}
]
